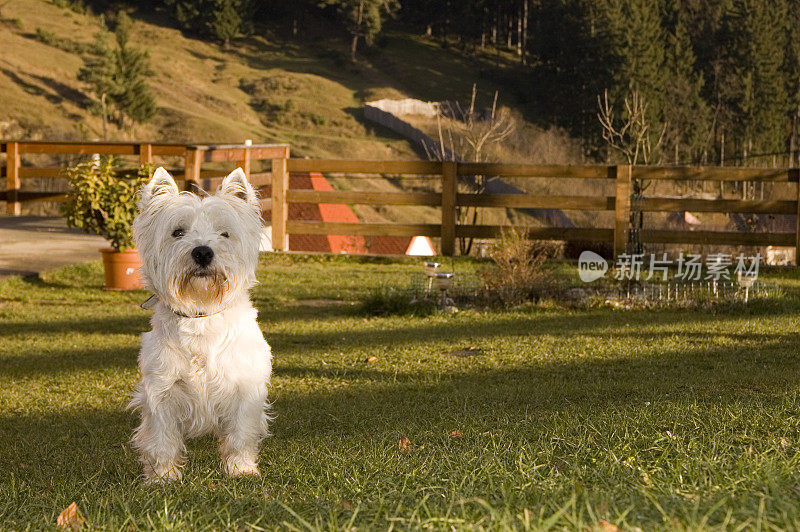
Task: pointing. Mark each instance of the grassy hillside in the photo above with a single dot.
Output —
(304, 92)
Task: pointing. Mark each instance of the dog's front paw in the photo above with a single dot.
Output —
(162, 474)
(238, 466)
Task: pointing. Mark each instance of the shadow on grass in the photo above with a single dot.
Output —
(109, 325)
(618, 324)
(76, 359)
(310, 310)
(71, 447)
(636, 328)
(52, 456)
(418, 402)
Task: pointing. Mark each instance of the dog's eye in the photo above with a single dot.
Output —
(177, 233)
(225, 235)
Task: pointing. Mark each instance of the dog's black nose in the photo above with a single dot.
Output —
(203, 255)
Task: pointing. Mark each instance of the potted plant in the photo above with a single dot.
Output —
(102, 200)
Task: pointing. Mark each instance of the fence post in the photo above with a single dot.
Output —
(794, 175)
(280, 209)
(145, 154)
(622, 209)
(13, 184)
(449, 188)
(192, 168)
(244, 164)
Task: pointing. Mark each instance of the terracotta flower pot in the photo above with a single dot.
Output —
(121, 269)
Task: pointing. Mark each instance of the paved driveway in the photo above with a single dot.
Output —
(32, 244)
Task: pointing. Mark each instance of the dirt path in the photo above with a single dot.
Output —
(32, 244)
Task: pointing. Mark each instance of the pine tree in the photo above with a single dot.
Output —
(220, 19)
(226, 20)
(684, 109)
(638, 45)
(118, 77)
(570, 46)
(98, 71)
(363, 18)
(792, 69)
(133, 97)
(192, 15)
(761, 103)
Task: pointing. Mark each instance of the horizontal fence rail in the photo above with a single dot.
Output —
(190, 173)
(715, 173)
(447, 173)
(445, 176)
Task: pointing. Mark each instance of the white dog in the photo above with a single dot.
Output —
(205, 365)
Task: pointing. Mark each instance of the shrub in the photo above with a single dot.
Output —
(46, 37)
(74, 5)
(519, 272)
(101, 200)
(67, 45)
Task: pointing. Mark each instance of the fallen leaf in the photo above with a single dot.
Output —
(605, 526)
(372, 359)
(404, 444)
(455, 434)
(69, 518)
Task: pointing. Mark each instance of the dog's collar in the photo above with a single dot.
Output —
(150, 303)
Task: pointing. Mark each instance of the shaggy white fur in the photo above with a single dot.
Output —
(205, 365)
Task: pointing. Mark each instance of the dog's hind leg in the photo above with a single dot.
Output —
(240, 436)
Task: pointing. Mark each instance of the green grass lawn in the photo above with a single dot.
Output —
(668, 419)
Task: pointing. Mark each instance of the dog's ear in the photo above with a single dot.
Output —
(236, 185)
(161, 184)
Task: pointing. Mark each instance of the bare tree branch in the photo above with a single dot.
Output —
(632, 136)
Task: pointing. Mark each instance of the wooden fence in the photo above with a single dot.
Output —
(192, 157)
(449, 199)
(446, 176)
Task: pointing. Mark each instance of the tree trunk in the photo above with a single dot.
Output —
(105, 116)
(524, 36)
(360, 21)
(795, 142)
(446, 22)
